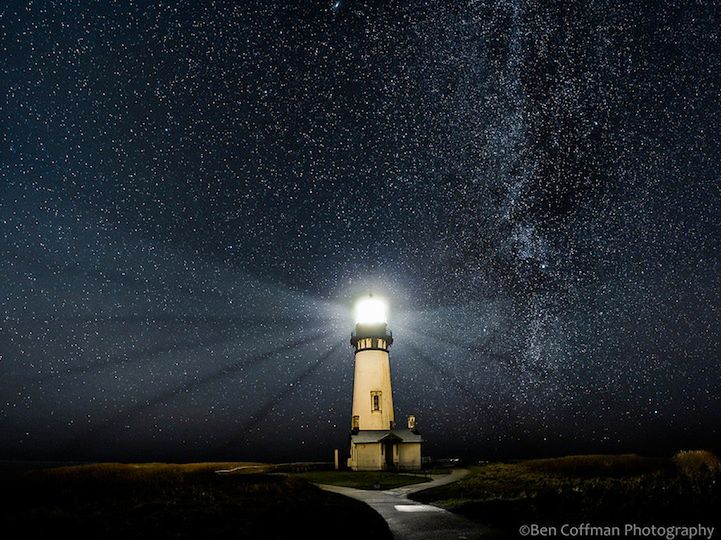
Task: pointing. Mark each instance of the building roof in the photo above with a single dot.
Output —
(380, 435)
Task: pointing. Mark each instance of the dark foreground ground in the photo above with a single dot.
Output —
(600, 490)
(157, 501)
(109, 501)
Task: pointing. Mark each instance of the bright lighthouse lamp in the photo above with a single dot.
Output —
(371, 311)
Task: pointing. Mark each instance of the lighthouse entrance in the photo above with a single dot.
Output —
(389, 454)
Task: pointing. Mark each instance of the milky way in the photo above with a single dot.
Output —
(192, 194)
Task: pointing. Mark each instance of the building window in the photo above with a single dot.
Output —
(375, 401)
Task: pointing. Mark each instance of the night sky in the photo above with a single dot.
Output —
(193, 194)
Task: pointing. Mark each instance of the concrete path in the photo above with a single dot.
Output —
(411, 520)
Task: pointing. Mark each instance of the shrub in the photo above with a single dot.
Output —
(697, 464)
(599, 465)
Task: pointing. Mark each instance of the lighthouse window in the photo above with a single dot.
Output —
(375, 401)
(381, 343)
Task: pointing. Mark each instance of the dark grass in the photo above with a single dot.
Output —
(599, 489)
(362, 479)
(158, 501)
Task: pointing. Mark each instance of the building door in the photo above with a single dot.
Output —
(389, 454)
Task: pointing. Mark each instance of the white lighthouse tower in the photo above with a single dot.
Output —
(375, 442)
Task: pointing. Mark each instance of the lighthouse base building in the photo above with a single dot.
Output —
(375, 442)
(390, 449)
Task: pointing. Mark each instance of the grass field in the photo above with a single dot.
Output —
(362, 479)
(601, 489)
(158, 501)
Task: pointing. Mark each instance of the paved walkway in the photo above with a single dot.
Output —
(411, 520)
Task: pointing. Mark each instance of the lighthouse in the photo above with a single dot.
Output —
(376, 443)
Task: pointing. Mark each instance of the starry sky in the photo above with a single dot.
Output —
(192, 195)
